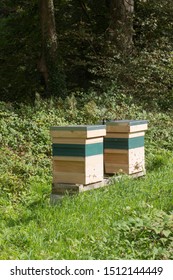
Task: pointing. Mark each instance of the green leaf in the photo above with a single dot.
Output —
(166, 233)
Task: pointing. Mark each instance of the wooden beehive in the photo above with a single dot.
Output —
(77, 155)
(124, 147)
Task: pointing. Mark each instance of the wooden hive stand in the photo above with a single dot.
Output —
(77, 158)
(124, 147)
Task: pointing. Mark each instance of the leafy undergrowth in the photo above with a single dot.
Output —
(131, 219)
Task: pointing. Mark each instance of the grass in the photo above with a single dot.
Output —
(131, 219)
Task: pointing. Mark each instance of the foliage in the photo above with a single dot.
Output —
(147, 78)
(85, 58)
(101, 83)
(19, 51)
(153, 24)
(25, 145)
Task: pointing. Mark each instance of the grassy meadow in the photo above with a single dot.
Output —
(130, 219)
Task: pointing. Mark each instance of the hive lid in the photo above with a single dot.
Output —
(126, 125)
(77, 127)
(127, 122)
(78, 131)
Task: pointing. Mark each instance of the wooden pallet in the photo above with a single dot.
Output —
(60, 190)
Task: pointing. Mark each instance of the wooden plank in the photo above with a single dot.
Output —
(56, 140)
(136, 134)
(111, 129)
(69, 134)
(69, 166)
(136, 160)
(59, 190)
(61, 158)
(138, 174)
(124, 135)
(116, 158)
(94, 140)
(64, 188)
(139, 128)
(76, 178)
(111, 168)
(95, 159)
(94, 169)
(96, 133)
(78, 131)
(126, 128)
(70, 178)
(95, 185)
(115, 151)
(79, 172)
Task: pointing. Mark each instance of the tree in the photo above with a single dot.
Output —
(120, 30)
(49, 38)
(19, 45)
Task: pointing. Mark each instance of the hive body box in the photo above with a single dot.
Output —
(77, 156)
(124, 147)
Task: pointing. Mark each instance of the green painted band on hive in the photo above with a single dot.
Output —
(123, 143)
(77, 150)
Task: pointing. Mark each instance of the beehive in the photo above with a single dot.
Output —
(124, 147)
(77, 155)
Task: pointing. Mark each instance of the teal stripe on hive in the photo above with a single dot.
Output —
(123, 143)
(68, 150)
(136, 142)
(116, 143)
(94, 149)
(77, 150)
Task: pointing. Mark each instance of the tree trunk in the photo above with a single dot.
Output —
(49, 38)
(121, 24)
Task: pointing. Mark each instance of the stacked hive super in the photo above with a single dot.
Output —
(77, 157)
(124, 147)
